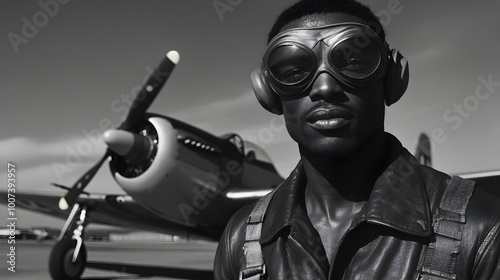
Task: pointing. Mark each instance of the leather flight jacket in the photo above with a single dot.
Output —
(387, 239)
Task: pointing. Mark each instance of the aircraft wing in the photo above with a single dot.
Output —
(490, 181)
(117, 210)
(244, 194)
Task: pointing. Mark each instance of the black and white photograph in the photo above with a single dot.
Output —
(238, 139)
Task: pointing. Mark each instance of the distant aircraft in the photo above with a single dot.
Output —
(179, 179)
(35, 233)
(423, 151)
(490, 180)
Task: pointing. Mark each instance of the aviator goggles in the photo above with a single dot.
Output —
(350, 52)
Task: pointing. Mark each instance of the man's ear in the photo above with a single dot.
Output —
(396, 78)
(265, 95)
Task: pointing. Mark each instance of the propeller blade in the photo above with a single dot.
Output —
(65, 188)
(150, 90)
(71, 196)
(121, 142)
(60, 186)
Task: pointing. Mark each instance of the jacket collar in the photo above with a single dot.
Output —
(398, 199)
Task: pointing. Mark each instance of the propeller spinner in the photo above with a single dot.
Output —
(121, 141)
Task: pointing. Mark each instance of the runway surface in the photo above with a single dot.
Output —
(32, 258)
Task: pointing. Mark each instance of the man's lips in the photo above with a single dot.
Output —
(328, 118)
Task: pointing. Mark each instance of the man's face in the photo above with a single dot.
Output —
(329, 118)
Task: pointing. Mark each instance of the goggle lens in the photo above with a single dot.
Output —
(290, 64)
(352, 53)
(356, 58)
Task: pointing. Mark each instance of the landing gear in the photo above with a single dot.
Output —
(69, 256)
(61, 264)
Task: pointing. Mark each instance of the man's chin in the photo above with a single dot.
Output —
(331, 148)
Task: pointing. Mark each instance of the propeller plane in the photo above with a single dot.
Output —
(178, 178)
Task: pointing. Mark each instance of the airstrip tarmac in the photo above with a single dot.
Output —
(32, 258)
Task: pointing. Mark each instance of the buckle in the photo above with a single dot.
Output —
(436, 274)
(253, 271)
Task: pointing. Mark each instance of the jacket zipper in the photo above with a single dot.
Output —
(316, 262)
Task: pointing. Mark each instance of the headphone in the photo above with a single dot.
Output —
(395, 82)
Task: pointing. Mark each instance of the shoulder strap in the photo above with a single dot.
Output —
(449, 221)
(255, 267)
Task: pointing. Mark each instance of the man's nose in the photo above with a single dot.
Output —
(325, 87)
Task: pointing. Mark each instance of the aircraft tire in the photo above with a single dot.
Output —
(61, 266)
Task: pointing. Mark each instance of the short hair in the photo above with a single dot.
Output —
(309, 7)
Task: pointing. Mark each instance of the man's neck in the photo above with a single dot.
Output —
(349, 178)
(337, 189)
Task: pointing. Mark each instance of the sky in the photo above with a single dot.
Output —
(66, 66)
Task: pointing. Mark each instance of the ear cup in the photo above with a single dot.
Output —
(396, 77)
(265, 95)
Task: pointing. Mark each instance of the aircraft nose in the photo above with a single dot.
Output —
(127, 144)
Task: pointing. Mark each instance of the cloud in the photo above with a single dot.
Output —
(218, 108)
(31, 152)
(429, 53)
(62, 161)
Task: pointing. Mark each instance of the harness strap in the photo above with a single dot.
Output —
(449, 221)
(255, 268)
(441, 255)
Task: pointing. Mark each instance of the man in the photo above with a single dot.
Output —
(358, 205)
